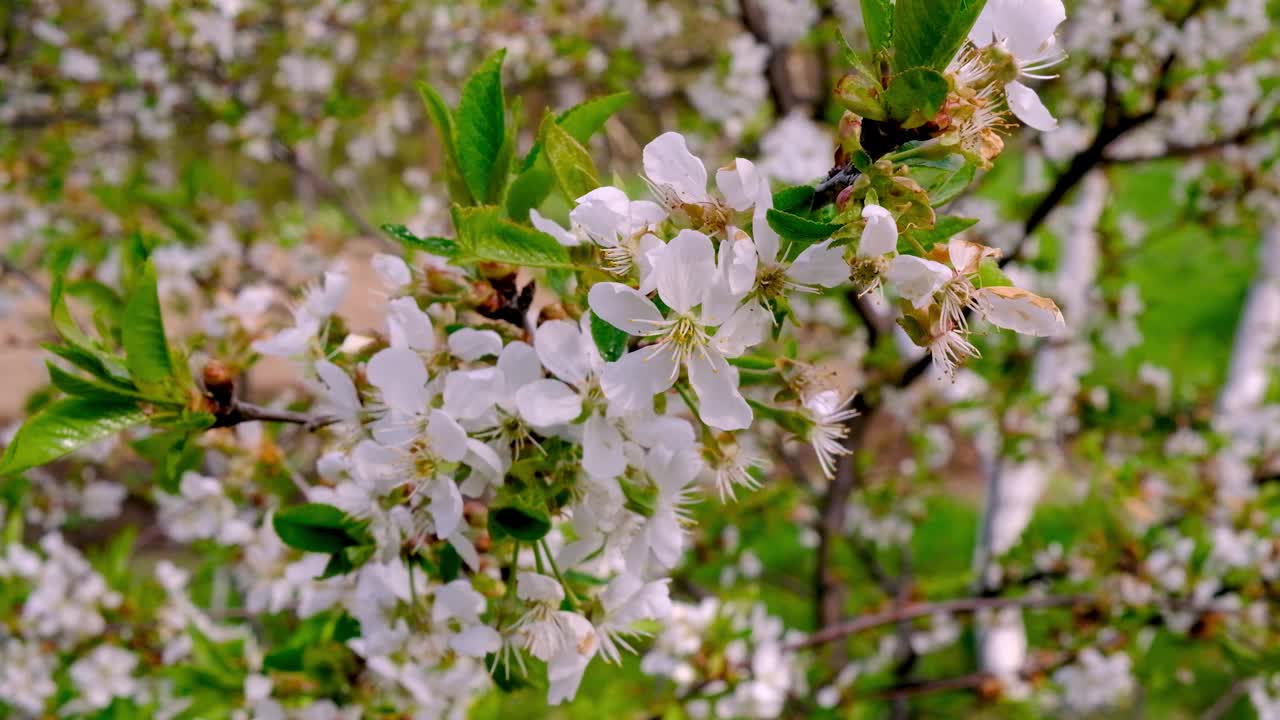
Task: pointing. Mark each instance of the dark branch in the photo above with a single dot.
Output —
(780, 85)
(870, 621)
(1223, 705)
(1176, 151)
(8, 267)
(285, 153)
(242, 412)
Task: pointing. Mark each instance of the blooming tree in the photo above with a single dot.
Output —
(520, 473)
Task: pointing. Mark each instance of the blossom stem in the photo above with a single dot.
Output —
(568, 591)
(916, 151)
(688, 399)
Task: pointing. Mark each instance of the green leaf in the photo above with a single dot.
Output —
(530, 188)
(944, 228)
(172, 454)
(89, 388)
(944, 179)
(93, 364)
(105, 301)
(481, 129)
(443, 120)
(990, 275)
(915, 96)
(927, 33)
(585, 119)
(450, 564)
(146, 349)
(756, 363)
(798, 229)
(877, 18)
(571, 164)
(519, 245)
(66, 326)
(535, 180)
(788, 199)
(610, 341)
(860, 92)
(221, 659)
(484, 235)
(523, 524)
(64, 426)
(434, 245)
(315, 527)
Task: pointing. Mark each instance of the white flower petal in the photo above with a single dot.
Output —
(446, 506)
(564, 671)
(602, 213)
(820, 265)
(747, 327)
(289, 342)
(537, 587)
(398, 373)
(466, 550)
(408, 326)
(391, 270)
(554, 229)
(653, 431)
(458, 599)
(740, 184)
(880, 235)
(669, 164)
(684, 271)
(1026, 104)
(468, 394)
(631, 383)
(448, 439)
(323, 301)
(738, 263)
(544, 403)
(643, 215)
(1027, 25)
(720, 403)
(485, 463)
(766, 238)
(519, 365)
(560, 346)
(470, 344)
(624, 308)
(917, 279)
(602, 454)
(651, 249)
(341, 390)
(1021, 311)
(476, 641)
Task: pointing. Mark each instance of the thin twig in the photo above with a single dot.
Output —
(1223, 705)
(1209, 146)
(829, 590)
(285, 153)
(918, 610)
(7, 267)
(242, 412)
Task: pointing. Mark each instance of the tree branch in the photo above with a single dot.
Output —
(1176, 151)
(776, 72)
(1223, 705)
(242, 412)
(8, 267)
(286, 154)
(912, 611)
(829, 592)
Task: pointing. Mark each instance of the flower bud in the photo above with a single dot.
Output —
(861, 94)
